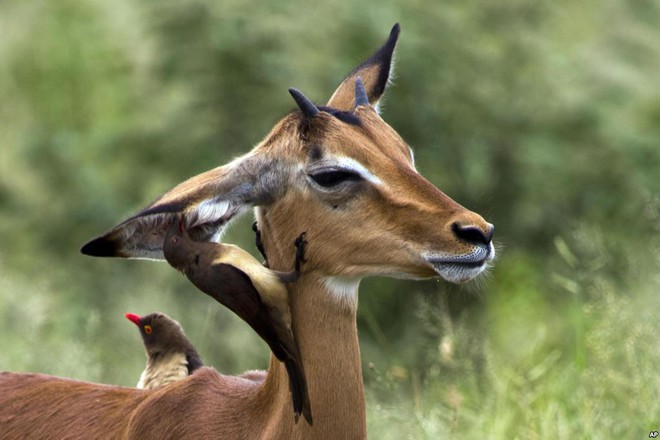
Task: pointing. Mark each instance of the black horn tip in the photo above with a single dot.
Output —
(306, 106)
(361, 97)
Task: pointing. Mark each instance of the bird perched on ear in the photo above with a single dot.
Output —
(255, 293)
(170, 355)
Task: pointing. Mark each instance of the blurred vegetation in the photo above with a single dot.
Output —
(542, 116)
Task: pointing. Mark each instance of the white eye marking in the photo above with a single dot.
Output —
(353, 165)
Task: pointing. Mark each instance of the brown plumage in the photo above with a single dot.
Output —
(255, 293)
(170, 355)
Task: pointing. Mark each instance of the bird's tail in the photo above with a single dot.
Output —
(298, 387)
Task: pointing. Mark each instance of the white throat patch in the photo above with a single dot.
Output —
(344, 290)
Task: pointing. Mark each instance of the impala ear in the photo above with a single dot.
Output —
(375, 73)
(205, 203)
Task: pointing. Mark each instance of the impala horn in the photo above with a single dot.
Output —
(361, 97)
(307, 107)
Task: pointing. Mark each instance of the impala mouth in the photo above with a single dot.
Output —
(462, 268)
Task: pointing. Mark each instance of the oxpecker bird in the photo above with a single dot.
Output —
(170, 355)
(255, 293)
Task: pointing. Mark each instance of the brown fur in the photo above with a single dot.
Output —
(356, 230)
(35, 406)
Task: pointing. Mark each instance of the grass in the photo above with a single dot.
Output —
(533, 387)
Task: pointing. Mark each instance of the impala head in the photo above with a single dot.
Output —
(338, 172)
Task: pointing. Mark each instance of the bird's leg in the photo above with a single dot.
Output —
(289, 277)
(300, 243)
(259, 243)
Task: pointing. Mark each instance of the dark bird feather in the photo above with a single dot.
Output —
(256, 294)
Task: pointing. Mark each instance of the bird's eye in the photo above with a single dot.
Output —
(328, 179)
(147, 329)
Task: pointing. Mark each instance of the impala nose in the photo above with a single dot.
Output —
(474, 234)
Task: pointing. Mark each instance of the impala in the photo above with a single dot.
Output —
(342, 175)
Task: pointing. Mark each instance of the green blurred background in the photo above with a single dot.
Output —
(542, 116)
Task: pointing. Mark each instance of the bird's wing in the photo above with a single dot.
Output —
(194, 361)
(234, 289)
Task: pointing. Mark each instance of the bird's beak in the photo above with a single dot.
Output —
(133, 317)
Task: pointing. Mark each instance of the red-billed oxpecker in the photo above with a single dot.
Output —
(255, 293)
(170, 355)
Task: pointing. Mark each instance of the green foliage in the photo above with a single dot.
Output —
(543, 116)
(531, 371)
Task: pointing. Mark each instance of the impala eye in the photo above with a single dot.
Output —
(328, 179)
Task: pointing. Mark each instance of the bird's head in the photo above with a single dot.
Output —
(160, 333)
(176, 244)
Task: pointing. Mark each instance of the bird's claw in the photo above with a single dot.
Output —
(259, 243)
(300, 243)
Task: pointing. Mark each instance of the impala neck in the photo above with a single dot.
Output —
(326, 330)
